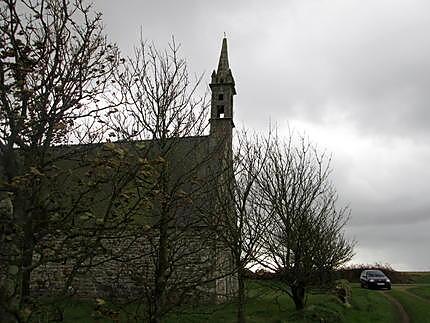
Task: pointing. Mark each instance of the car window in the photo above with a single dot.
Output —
(375, 274)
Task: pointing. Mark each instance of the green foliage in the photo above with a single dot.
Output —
(317, 313)
(343, 291)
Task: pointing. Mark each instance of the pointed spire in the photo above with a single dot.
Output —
(223, 59)
(223, 74)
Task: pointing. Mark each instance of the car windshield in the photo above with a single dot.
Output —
(375, 274)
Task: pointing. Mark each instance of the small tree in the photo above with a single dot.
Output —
(241, 231)
(304, 231)
(55, 64)
(162, 111)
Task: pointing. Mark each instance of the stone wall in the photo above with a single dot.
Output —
(201, 270)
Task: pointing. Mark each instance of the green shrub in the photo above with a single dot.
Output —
(343, 291)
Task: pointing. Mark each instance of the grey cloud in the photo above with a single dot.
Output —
(355, 69)
(385, 217)
(405, 247)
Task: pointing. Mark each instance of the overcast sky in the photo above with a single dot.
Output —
(353, 74)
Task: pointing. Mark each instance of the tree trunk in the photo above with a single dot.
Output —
(160, 283)
(160, 274)
(15, 249)
(16, 219)
(27, 260)
(155, 318)
(298, 297)
(241, 297)
(162, 254)
(10, 251)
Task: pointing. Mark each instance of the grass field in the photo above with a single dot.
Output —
(369, 306)
(417, 309)
(420, 277)
(421, 291)
(415, 298)
(264, 305)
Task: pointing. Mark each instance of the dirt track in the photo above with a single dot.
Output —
(403, 316)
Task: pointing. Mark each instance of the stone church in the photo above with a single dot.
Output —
(200, 264)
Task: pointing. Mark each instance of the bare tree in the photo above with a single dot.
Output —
(163, 112)
(241, 232)
(54, 65)
(87, 204)
(304, 231)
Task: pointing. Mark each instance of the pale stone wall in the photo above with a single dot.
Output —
(202, 271)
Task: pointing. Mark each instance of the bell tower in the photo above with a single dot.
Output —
(223, 89)
(221, 132)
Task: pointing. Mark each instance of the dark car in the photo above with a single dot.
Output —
(374, 279)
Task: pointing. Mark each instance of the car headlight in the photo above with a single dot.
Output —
(388, 281)
(371, 280)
